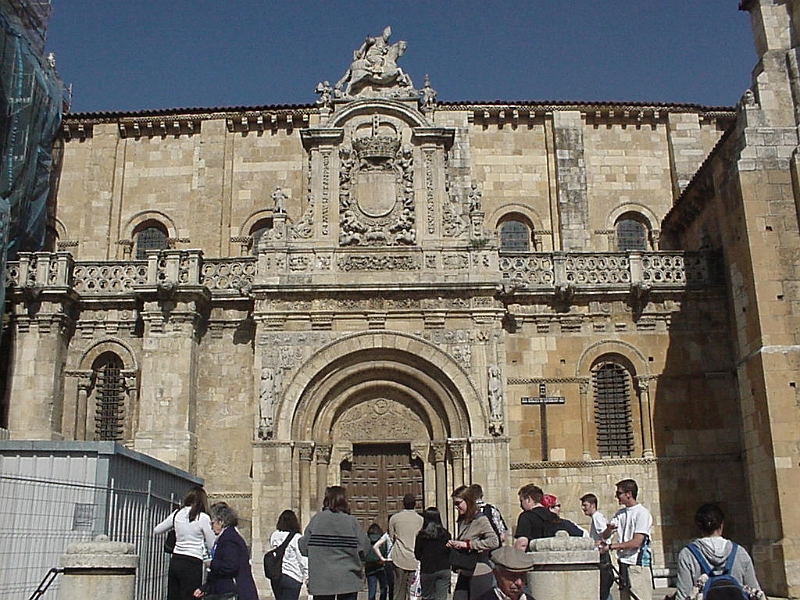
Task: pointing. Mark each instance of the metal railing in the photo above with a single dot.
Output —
(39, 518)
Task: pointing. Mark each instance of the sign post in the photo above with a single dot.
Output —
(543, 400)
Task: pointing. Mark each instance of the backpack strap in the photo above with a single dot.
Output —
(285, 542)
(731, 558)
(701, 560)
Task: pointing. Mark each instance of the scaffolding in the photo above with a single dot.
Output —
(31, 104)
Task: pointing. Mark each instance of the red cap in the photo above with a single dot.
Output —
(549, 501)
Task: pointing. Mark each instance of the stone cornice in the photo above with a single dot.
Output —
(610, 462)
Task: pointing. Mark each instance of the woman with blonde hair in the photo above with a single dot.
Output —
(475, 535)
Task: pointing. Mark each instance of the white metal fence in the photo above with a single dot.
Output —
(50, 502)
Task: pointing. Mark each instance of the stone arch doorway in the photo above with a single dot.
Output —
(376, 400)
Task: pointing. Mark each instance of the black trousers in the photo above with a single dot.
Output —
(184, 577)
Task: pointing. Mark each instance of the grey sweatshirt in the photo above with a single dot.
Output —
(715, 549)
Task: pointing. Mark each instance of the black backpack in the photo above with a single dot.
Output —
(720, 585)
(487, 511)
(273, 560)
(553, 524)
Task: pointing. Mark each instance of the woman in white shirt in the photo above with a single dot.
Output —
(194, 538)
(294, 569)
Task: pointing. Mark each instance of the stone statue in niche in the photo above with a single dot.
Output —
(267, 396)
(375, 64)
(475, 197)
(495, 401)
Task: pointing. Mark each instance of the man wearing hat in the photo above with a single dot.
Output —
(511, 567)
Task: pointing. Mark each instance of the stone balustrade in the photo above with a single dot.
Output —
(563, 274)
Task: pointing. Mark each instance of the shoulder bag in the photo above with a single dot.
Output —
(172, 538)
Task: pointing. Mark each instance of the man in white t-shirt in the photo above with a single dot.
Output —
(598, 526)
(632, 524)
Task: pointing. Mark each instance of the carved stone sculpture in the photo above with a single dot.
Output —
(495, 401)
(375, 65)
(268, 394)
(279, 198)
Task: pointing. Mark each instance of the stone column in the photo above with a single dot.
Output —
(439, 455)
(323, 455)
(586, 409)
(644, 412)
(564, 567)
(99, 570)
(457, 449)
(82, 409)
(305, 453)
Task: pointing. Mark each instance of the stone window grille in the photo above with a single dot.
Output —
(514, 237)
(631, 235)
(109, 393)
(151, 237)
(612, 410)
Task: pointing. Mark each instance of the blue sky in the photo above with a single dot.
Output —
(128, 55)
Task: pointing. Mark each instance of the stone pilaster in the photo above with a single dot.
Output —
(43, 324)
(168, 392)
(572, 190)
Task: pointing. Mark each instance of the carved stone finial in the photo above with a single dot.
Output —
(325, 92)
(427, 100)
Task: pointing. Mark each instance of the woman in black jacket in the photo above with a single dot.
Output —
(431, 551)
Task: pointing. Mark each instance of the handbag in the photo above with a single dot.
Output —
(463, 560)
(223, 596)
(169, 543)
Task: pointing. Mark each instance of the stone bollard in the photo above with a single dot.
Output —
(99, 570)
(564, 567)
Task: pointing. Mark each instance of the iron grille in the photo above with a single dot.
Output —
(109, 395)
(612, 410)
(631, 235)
(514, 237)
(150, 238)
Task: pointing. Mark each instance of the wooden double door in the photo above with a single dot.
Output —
(377, 478)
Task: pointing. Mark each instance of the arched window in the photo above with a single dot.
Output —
(632, 234)
(514, 237)
(109, 394)
(153, 236)
(258, 232)
(612, 409)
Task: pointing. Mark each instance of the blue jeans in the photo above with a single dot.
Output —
(435, 586)
(374, 579)
(286, 588)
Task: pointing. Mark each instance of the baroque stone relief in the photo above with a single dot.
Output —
(376, 188)
(381, 419)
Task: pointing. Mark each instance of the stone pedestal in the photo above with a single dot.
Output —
(99, 570)
(564, 567)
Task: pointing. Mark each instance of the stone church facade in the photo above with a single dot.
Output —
(400, 294)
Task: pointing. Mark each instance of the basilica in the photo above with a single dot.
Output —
(398, 294)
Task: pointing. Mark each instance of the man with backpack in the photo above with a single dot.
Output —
(715, 566)
(535, 521)
(492, 513)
